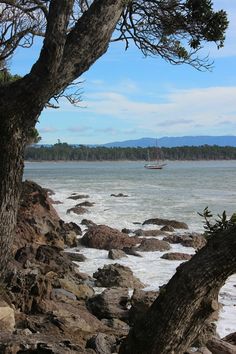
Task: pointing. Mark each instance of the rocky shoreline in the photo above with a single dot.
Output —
(48, 306)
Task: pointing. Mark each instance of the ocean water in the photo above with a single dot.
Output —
(179, 191)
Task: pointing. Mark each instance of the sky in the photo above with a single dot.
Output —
(126, 96)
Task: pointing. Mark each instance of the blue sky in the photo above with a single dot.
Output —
(126, 96)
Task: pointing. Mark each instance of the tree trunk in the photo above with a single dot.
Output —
(177, 316)
(12, 145)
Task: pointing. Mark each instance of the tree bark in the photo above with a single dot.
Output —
(63, 58)
(217, 346)
(12, 145)
(177, 316)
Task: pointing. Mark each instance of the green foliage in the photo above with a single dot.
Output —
(6, 77)
(33, 136)
(67, 152)
(219, 225)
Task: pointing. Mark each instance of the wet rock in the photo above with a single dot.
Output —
(194, 240)
(131, 251)
(76, 257)
(116, 254)
(116, 275)
(105, 237)
(152, 244)
(102, 343)
(167, 228)
(177, 256)
(78, 196)
(88, 223)
(71, 226)
(140, 302)
(126, 231)
(147, 233)
(85, 204)
(119, 195)
(77, 210)
(175, 224)
(111, 303)
(7, 317)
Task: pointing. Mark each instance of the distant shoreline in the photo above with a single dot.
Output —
(141, 161)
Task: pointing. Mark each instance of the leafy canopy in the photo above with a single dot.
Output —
(172, 29)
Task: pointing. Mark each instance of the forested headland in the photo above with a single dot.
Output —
(66, 152)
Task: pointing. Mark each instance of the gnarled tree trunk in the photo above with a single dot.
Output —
(12, 143)
(63, 58)
(177, 316)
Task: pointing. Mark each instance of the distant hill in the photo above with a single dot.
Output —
(227, 140)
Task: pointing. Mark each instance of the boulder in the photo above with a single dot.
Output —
(152, 244)
(38, 221)
(120, 327)
(80, 290)
(76, 257)
(194, 240)
(116, 275)
(151, 233)
(102, 343)
(105, 237)
(140, 302)
(88, 223)
(77, 210)
(78, 196)
(85, 204)
(177, 256)
(116, 254)
(175, 224)
(111, 303)
(7, 317)
(131, 251)
(167, 228)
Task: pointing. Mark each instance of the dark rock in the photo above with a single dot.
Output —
(126, 231)
(102, 343)
(140, 302)
(79, 196)
(120, 327)
(177, 256)
(119, 195)
(85, 204)
(153, 233)
(167, 228)
(76, 257)
(88, 223)
(77, 210)
(104, 237)
(152, 244)
(175, 224)
(139, 232)
(116, 275)
(116, 254)
(194, 240)
(111, 303)
(131, 251)
(71, 226)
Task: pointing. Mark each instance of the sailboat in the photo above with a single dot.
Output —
(157, 165)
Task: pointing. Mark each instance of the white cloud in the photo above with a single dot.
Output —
(182, 109)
